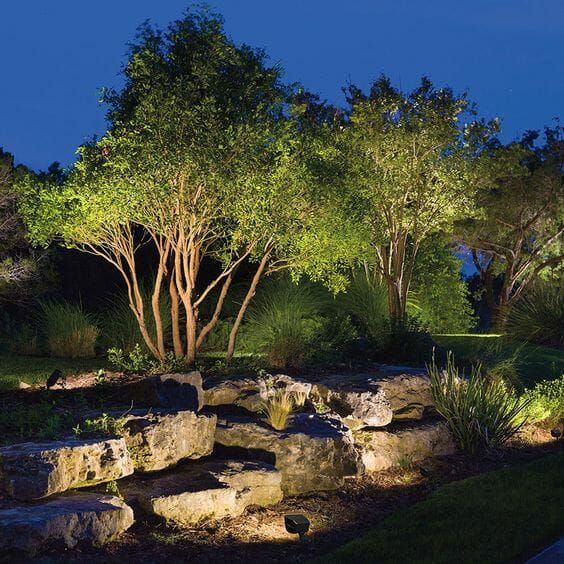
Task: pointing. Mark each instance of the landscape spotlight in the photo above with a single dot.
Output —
(556, 433)
(297, 524)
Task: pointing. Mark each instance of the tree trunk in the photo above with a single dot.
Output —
(240, 314)
(175, 320)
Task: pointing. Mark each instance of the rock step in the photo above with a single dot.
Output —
(382, 449)
(202, 491)
(160, 438)
(314, 453)
(67, 520)
(30, 471)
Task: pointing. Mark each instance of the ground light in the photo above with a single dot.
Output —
(297, 524)
(556, 433)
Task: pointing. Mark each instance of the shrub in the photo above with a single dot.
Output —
(119, 325)
(480, 412)
(278, 407)
(539, 316)
(70, 331)
(286, 323)
(104, 425)
(545, 402)
(137, 361)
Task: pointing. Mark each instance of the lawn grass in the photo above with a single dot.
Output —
(33, 369)
(501, 516)
(536, 363)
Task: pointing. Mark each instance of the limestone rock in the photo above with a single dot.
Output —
(382, 449)
(314, 453)
(35, 470)
(242, 392)
(203, 491)
(407, 391)
(67, 520)
(159, 439)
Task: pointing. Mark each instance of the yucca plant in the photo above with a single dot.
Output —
(278, 407)
(70, 332)
(481, 413)
(539, 316)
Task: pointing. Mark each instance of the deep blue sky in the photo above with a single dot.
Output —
(56, 54)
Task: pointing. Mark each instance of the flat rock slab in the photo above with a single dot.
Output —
(67, 520)
(203, 491)
(313, 454)
(382, 449)
(31, 471)
(159, 439)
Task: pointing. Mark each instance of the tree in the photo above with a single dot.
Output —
(202, 163)
(413, 170)
(19, 264)
(517, 235)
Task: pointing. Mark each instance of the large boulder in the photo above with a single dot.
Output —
(203, 491)
(314, 453)
(161, 438)
(241, 392)
(34, 470)
(382, 449)
(175, 391)
(68, 520)
(374, 399)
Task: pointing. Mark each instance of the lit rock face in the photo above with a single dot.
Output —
(204, 491)
(32, 471)
(242, 392)
(313, 454)
(159, 439)
(374, 399)
(67, 521)
(382, 449)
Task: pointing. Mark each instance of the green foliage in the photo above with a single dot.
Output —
(439, 297)
(38, 421)
(545, 402)
(539, 316)
(112, 488)
(138, 362)
(106, 425)
(70, 331)
(289, 323)
(120, 328)
(366, 300)
(480, 412)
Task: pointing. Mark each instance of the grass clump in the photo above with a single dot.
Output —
(498, 517)
(278, 407)
(482, 413)
(70, 331)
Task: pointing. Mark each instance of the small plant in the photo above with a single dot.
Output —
(481, 412)
(321, 408)
(104, 425)
(100, 377)
(39, 421)
(112, 488)
(278, 408)
(135, 360)
(545, 402)
(69, 330)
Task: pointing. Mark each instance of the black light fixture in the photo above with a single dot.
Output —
(556, 433)
(54, 378)
(297, 524)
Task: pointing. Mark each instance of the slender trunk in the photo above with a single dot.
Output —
(175, 320)
(248, 297)
(215, 317)
(155, 304)
(191, 325)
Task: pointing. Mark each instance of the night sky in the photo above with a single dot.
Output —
(56, 55)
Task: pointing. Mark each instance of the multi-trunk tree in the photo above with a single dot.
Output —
(202, 162)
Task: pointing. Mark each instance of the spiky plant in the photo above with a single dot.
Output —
(278, 407)
(481, 413)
